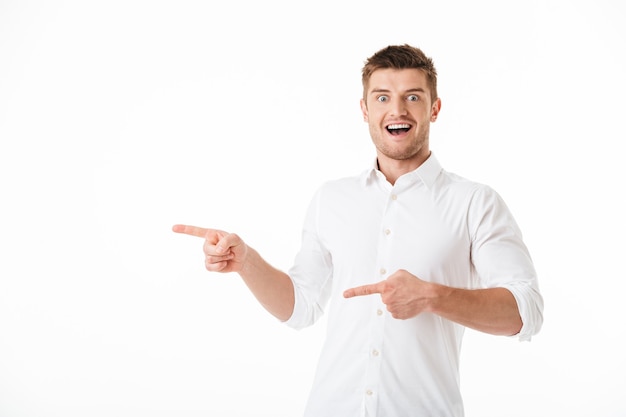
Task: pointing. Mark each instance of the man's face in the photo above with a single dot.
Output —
(399, 111)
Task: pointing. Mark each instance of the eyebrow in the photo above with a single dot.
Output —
(411, 90)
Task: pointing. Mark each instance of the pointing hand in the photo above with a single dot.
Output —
(224, 252)
(404, 294)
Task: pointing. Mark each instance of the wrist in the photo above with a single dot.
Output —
(438, 295)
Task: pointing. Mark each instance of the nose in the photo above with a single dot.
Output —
(398, 108)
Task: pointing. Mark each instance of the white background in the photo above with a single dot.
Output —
(119, 119)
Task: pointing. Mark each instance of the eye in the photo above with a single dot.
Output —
(382, 99)
(413, 97)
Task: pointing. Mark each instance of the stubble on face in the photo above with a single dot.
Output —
(400, 152)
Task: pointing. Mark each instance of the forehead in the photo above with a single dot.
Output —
(397, 80)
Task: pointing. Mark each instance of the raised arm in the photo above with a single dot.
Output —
(227, 252)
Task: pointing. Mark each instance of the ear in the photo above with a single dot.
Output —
(364, 110)
(434, 112)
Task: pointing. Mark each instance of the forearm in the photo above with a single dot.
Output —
(492, 310)
(271, 287)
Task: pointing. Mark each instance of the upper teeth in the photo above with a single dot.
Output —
(399, 126)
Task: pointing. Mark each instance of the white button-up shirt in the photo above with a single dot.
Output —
(439, 227)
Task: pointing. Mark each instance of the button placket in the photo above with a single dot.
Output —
(375, 355)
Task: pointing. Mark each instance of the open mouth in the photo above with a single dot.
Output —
(398, 128)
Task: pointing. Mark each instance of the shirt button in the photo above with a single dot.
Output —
(379, 312)
(375, 352)
(387, 231)
(369, 392)
(394, 197)
(383, 271)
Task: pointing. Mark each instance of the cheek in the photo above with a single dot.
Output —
(373, 116)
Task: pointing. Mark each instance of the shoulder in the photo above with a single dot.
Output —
(451, 182)
(343, 185)
(475, 199)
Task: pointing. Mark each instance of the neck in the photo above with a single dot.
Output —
(393, 169)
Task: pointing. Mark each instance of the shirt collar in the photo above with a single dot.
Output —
(427, 173)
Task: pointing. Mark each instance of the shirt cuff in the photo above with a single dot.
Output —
(530, 306)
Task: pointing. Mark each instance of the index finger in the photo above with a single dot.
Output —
(190, 230)
(369, 289)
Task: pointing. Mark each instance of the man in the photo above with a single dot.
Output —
(408, 255)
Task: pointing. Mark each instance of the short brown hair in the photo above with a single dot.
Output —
(400, 57)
